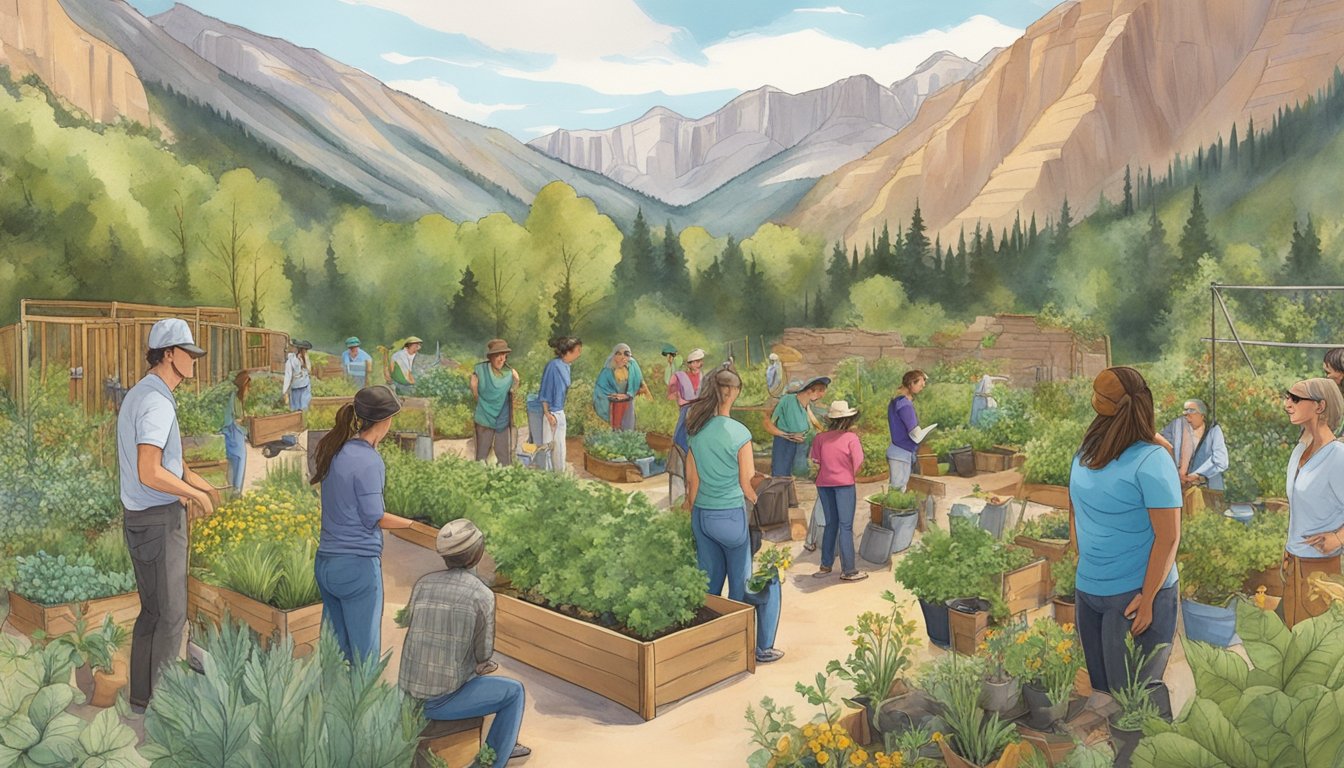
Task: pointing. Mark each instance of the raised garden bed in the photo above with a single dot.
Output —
(926, 487)
(640, 675)
(1056, 496)
(267, 429)
(1050, 550)
(28, 616)
(994, 460)
(658, 441)
(612, 471)
(304, 624)
(1027, 587)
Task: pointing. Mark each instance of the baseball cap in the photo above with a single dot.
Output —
(174, 332)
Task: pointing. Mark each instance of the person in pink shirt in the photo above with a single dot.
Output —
(838, 456)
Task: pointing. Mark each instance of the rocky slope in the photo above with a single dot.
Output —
(1092, 86)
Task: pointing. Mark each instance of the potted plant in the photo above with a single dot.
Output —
(1046, 658)
(899, 511)
(1135, 699)
(1213, 569)
(763, 591)
(1265, 535)
(925, 571)
(994, 515)
(1063, 573)
(967, 622)
(882, 645)
(999, 691)
(974, 737)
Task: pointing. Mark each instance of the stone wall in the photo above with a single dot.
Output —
(1025, 351)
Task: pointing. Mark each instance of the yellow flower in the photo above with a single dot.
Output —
(783, 744)
(844, 742)
(1067, 627)
(823, 758)
(814, 746)
(937, 737)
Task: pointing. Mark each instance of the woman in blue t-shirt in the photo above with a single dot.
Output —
(349, 565)
(1127, 525)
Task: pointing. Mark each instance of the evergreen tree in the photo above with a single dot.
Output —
(1032, 234)
(1063, 228)
(467, 313)
(981, 270)
(674, 276)
(838, 273)
(913, 272)
(1250, 142)
(884, 260)
(1127, 207)
(1017, 234)
(635, 275)
(1232, 149)
(854, 267)
(1195, 239)
(820, 312)
(1304, 255)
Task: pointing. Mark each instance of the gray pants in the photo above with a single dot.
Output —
(157, 539)
(499, 439)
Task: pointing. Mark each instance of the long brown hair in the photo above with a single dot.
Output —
(347, 426)
(1124, 407)
(713, 393)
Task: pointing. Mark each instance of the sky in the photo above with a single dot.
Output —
(531, 66)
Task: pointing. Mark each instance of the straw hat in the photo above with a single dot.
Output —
(412, 340)
(840, 410)
(496, 347)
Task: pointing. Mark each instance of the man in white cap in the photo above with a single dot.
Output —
(684, 388)
(450, 638)
(160, 495)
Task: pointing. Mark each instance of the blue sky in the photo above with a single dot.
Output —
(529, 66)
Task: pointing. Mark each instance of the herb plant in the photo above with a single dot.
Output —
(967, 562)
(1134, 696)
(1051, 450)
(617, 445)
(1053, 525)
(770, 563)
(1064, 573)
(977, 737)
(894, 498)
(54, 579)
(882, 651)
(1217, 554)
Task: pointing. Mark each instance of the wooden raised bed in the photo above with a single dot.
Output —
(267, 429)
(658, 441)
(1056, 496)
(641, 675)
(28, 616)
(1052, 550)
(304, 624)
(872, 478)
(612, 471)
(205, 466)
(1027, 587)
(993, 460)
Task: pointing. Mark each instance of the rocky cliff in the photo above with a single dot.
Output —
(680, 160)
(1092, 86)
(38, 37)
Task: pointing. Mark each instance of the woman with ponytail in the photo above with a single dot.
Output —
(719, 469)
(556, 378)
(349, 553)
(1126, 523)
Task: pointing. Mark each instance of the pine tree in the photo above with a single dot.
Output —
(1250, 142)
(1127, 207)
(854, 267)
(467, 313)
(913, 272)
(838, 273)
(1064, 228)
(884, 260)
(1195, 239)
(820, 312)
(674, 276)
(1032, 233)
(1017, 234)
(1304, 255)
(634, 274)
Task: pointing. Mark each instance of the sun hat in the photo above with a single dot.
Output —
(301, 344)
(696, 354)
(412, 340)
(840, 410)
(174, 332)
(457, 537)
(814, 381)
(668, 349)
(496, 346)
(376, 403)
(353, 341)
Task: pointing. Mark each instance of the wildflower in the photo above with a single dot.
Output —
(782, 746)
(823, 758)
(937, 737)
(859, 758)
(1067, 627)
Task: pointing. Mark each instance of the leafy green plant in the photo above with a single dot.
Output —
(94, 648)
(1064, 573)
(967, 562)
(446, 386)
(486, 756)
(895, 498)
(770, 563)
(297, 586)
(1047, 657)
(288, 475)
(882, 651)
(211, 450)
(54, 579)
(264, 398)
(1134, 695)
(659, 414)
(1050, 452)
(338, 386)
(947, 438)
(955, 684)
(874, 446)
(1217, 554)
(281, 575)
(202, 413)
(1053, 525)
(617, 445)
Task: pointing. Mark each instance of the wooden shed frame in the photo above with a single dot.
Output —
(100, 346)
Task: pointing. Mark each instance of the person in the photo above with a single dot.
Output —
(297, 387)
(349, 566)
(774, 376)
(789, 424)
(1200, 453)
(1315, 483)
(492, 385)
(982, 402)
(1126, 523)
(617, 385)
(838, 455)
(669, 354)
(719, 470)
(403, 365)
(555, 381)
(159, 495)
(356, 363)
(903, 423)
(685, 387)
(450, 637)
(234, 430)
(1334, 371)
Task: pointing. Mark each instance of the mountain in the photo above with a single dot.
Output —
(387, 148)
(37, 37)
(680, 160)
(1090, 87)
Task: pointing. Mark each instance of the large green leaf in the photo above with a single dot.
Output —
(1204, 722)
(1322, 736)
(59, 747)
(1266, 716)
(49, 702)
(108, 743)
(1264, 636)
(1220, 675)
(1172, 750)
(19, 734)
(1316, 649)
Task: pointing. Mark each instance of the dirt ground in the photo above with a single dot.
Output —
(567, 726)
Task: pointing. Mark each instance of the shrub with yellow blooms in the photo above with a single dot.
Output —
(1046, 656)
(275, 516)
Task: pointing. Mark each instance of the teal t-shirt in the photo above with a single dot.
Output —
(789, 415)
(1110, 506)
(493, 389)
(715, 449)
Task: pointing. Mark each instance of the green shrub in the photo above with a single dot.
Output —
(1051, 525)
(54, 579)
(1050, 453)
(1217, 554)
(456, 422)
(202, 413)
(874, 446)
(617, 446)
(446, 386)
(894, 498)
(947, 404)
(264, 397)
(339, 386)
(657, 415)
(1064, 572)
(967, 562)
(754, 391)
(211, 450)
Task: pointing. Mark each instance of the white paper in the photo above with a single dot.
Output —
(919, 433)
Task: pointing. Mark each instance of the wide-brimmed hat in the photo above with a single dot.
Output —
(840, 410)
(814, 381)
(301, 344)
(668, 349)
(174, 332)
(353, 341)
(376, 403)
(412, 340)
(696, 354)
(458, 537)
(496, 347)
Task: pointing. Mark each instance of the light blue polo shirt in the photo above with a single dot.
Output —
(148, 416)
(715, 449)
(1110, 506)
(352, 502)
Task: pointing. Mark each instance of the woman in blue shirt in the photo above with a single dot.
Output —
(555, 381)
(349, 552)
(902, 421)
(1127, 525)
(1315, 484)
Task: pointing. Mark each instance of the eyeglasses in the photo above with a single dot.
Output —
(1299, 398)
(1190, 410)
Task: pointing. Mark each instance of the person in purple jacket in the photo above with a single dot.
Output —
(903, 422)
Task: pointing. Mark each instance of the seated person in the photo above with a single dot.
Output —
(449, 642)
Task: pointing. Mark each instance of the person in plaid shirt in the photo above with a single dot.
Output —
(449, 641)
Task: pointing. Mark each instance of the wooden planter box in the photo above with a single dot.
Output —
(927, 487)
(1270, 578)
(879, 478)
(967, 630)
(302, 624)
(1056, 496)
(27, 616)
(926, 464)
(658, 441)
(993, 460)
(1051, 550)
(1027, 587)
(206, 466)
(641, 675)
(267, 429)
(612, 471)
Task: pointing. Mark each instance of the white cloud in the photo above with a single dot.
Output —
(795, 61)
(398, 58)
(445, 97)
(588, 29)
(828, 9)
(598, 111)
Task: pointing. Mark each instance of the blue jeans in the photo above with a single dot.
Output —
(723, 548)
(481, 696)
(782, 456)
(299, 397)
(235, 449)
(352, 601)
(1102, 627)
(837, 503)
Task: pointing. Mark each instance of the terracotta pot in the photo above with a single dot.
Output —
(1065, 610)
(106, 685)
